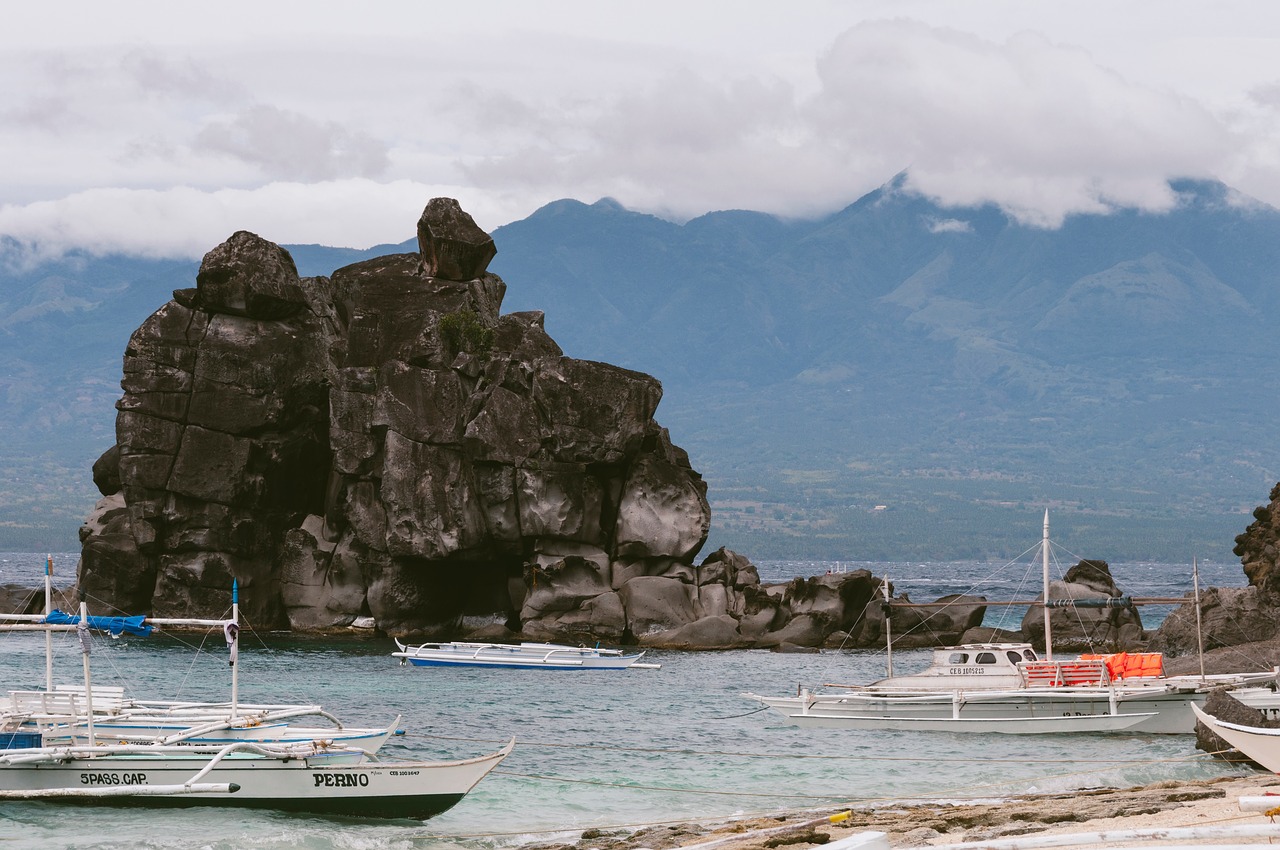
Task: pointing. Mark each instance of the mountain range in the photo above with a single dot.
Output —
(895, 381)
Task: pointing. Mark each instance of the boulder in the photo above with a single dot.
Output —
(810, 629)
(249, 276)
(452, 245)
(1082, 628)
(1229, 616)
(656, 604)
(715, 632)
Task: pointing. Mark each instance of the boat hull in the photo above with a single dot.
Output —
(316, 785)
(543, 656)
(609, 664)
(1260, 745)
(1159, 712)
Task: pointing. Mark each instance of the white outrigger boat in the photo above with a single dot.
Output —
(60, 713)
(1009, 689)
(87, 744)
(551, 656)
(1259, 744)
(290, 777)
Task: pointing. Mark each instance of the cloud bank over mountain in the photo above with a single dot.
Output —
(159, 132)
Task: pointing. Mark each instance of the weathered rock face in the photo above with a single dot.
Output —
(1259, 546)
(1234, 616)
(1229, 616)
(382, 443)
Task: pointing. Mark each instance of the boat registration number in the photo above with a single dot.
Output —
(967, 671)
(113, 779)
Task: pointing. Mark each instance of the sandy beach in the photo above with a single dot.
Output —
(1162, 805)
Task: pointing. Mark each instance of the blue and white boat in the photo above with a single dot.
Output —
(88, 744)
(551, 656)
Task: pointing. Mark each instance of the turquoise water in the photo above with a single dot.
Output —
(595, 748)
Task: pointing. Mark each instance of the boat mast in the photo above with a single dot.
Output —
(48, 635)
(1044, 555)
(82, 631)
(233, 638)
(888, 628)
(1195, 584)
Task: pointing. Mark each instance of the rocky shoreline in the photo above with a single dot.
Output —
(1160, 805)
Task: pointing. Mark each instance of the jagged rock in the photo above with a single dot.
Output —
(561, 588)
(106, 472)
(452, 245)
(382, 443)
(663, 513)
(1229, 616)
(1257, 546)
(1086, 629)
(960, 613)
(992, 635)
(249, 276)
(19, 599)
(840, 599)
(727, 567)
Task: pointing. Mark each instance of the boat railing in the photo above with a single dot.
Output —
(1088, 672)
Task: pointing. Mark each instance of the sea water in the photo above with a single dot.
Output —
(595, 749)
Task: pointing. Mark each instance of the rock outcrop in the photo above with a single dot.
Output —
(1086, 628)
(384, 442)
(1234, 616)
(1258, 547)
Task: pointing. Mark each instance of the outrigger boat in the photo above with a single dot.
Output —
(551, 656)
(1007, 688)
(60, 713)
(327, 780)
(64, 744)
(1259, 744)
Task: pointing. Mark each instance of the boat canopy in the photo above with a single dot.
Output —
(115, 625)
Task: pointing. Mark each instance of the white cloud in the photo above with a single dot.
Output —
(948, 225)
(161, 131)
(187, 222)
(292, 146)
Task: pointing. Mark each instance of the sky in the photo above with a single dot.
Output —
(160, 128)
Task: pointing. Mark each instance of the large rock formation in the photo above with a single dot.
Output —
(1259, 546)
(382, 442)
(1235, 616)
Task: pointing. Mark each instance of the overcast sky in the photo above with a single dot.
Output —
(163, 127)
